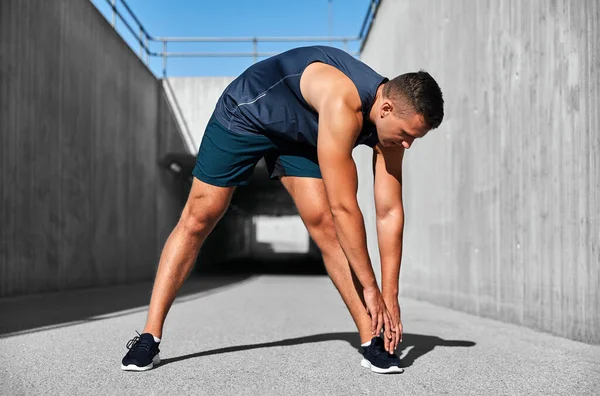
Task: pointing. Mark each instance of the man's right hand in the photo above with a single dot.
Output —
(376, 308)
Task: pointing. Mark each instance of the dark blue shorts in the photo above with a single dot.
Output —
(228, 158)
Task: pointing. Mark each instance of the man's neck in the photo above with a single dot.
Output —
(373, 114)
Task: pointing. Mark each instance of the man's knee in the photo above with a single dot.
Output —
(203, 210)
(196, 221)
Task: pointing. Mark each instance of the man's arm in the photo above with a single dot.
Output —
(338, 128)
(337, 122)
(334, 96)
(387, 165)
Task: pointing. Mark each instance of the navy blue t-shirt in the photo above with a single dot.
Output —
(266, 98)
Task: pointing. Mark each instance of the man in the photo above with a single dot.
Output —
(304, 111)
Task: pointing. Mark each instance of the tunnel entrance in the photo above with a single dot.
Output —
(261, 232)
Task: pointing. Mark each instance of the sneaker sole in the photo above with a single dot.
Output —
(394, 369)
(133, 367)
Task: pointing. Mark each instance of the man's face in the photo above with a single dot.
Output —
(393, 130)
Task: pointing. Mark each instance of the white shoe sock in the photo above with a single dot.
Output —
(156, 339)
(366, 344)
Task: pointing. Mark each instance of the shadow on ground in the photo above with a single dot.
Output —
(33, 312)
(419, 345)
(291, 265)
(422, 344)
(29, 312)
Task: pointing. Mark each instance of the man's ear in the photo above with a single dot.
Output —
(386, 108)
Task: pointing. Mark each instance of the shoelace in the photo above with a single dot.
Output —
(136, 343)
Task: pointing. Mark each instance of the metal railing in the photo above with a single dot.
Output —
(144, 38)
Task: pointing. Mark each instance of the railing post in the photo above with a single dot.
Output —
(147, 49)
(164, 54)
(255, 45)
(345, 45)
(114, 13)
(330, 21)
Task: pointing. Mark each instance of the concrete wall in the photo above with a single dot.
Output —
(502, 201)
(196, 97)
(82, 125)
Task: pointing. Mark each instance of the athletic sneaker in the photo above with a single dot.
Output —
(143, 353)
(379, 360)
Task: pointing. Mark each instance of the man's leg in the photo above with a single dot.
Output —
(313, 206)
(205, 206)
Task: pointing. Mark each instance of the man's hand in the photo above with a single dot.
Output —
(380, 317)
(393, 307)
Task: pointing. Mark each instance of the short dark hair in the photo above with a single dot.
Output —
(420, 92)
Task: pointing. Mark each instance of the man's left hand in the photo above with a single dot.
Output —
(393, 307)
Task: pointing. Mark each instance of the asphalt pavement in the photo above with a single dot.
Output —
(272, 335)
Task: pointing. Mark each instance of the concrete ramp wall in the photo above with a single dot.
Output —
(196, 97)
(83, 124)
(502, 201)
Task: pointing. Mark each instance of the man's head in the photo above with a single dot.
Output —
(406, 108)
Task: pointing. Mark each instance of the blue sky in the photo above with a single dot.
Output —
(235, 18)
